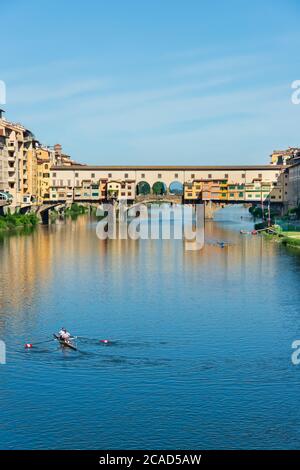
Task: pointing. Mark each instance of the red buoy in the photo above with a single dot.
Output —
(28, 346)
(104, 341)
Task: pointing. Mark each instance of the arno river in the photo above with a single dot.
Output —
(201, 340)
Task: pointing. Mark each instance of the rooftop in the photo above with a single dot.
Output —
(166, 167)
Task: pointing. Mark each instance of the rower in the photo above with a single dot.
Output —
(64, 334)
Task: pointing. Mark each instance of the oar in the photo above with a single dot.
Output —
(30, 345)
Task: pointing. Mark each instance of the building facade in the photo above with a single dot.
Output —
(17, 162)
(25, 165)
(293, 186)
(248, 183)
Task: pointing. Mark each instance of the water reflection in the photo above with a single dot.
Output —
(31, 264)
(199, 337)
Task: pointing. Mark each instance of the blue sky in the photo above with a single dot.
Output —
(160, 82)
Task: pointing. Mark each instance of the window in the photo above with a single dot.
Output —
(122, 193)
(231, 194)
(226, 175)
(46, 167)
(209, 176)
(257, 195)
(46, 175)
(176, 175)
(76, 175)
(92, 175)
(129, 193)
(243, 175)
(54, 175)
(61, 182)
(69, 183)
(259, 175)
(159, 176)
(241, 194)
(54, 183)
(109, 175)
(143, 175)
(126, 175)
(192, 176)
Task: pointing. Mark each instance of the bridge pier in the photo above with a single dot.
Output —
(25, 209)
(210, 207)
(43, 211)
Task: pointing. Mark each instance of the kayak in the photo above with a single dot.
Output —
(67, 344)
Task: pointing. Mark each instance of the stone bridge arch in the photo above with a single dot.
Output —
(143, 188)
(159, 188)
(176, 187)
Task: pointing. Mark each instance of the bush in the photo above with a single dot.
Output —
(288, 241)
(12, 221)
(76, 209)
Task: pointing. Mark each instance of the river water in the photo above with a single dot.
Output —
(200, 351)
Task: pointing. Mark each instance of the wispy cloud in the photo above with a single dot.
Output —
(37, 93)
(198, 101)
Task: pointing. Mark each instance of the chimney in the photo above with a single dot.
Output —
(58, 151)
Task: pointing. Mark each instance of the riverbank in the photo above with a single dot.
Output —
(285, 238)
(291, 239)
(11, 222)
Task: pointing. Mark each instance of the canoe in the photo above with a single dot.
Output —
(67, 344)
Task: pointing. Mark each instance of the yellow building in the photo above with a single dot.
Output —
(285, 157)
(236, 192)
(32, 170)
(113, 189)
(45, 159)
(193, 190)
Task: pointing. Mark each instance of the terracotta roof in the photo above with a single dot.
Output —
(167, 168)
